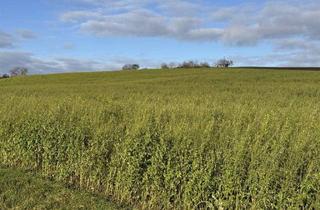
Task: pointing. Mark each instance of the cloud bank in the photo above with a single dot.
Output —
(9, 60)
(246, 24)
(290, 28)
(12, 59)
(6, 40)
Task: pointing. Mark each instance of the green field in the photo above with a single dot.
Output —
(170, 139)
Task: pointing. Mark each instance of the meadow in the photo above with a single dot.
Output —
(170, 139)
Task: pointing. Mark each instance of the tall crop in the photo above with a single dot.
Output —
(184, 139)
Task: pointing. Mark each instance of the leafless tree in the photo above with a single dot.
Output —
(204, 65)
(18, 71)
(172, 65)
(224, 63)
(189, 64)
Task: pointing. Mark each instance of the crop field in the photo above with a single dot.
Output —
(25, 190)
(170, 139)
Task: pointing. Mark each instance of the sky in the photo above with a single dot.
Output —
(53, 36)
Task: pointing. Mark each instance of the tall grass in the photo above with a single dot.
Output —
(238, 139)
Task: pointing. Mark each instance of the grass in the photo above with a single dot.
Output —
(170, 139)
(25, 190)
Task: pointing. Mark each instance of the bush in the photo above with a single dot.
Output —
(131, 67)
(185, 65)
(4, 76)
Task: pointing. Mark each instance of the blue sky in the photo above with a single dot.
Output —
(49, 36)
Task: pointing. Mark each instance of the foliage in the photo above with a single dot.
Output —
(238, 139)
(131, 67)
(185, 65)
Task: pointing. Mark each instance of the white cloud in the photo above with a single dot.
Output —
(136, 23)
(296, 53)
(290, 27)
(11, 59)
(272, 21)
(169, 18)
(203, 34)
(75, 16)
(6, 40)
(10, 40)
(245, 24)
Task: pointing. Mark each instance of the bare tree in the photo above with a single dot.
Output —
(204, 65)
(189, 64)
(126, 67)
(172, 65)
(18, 71)
(164, 66)
(14, 72)
(24, 71)
(224, 63)
(185, 65)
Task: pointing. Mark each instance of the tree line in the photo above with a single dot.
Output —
(15, 72)
(222, 63)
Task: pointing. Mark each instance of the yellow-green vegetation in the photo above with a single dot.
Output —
(24, 190)
(170, 139)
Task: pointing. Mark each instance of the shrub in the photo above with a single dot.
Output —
(131, 67)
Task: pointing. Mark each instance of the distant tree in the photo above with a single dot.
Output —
(135, 66)
(14, 72)
(185, 65)
(164, 66)
(224, 63)
(126, 67)
(24, 71)
(204, 65)
(188, 64)
(172, 65)
(18, 71)
(4, 76)
(131, 67)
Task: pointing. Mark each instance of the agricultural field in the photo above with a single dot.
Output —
(25, 190)
(170, 139)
